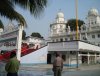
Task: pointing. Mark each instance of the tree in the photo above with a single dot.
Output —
(34, 6)
(72, 24)
(36, 34)
(1, 24)
(23, 35)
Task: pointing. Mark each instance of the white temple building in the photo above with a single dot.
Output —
(62, 39)
(90, 31)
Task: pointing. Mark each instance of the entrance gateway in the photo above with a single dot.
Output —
(11, 39)
(74, 52)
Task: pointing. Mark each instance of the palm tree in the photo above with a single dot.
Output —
(34, 6)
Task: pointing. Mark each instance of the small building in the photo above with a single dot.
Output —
(35, 41)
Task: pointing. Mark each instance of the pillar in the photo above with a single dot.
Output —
(69, 62)
(95, 58)
(77, 59)
(88, 58)
(19, 42)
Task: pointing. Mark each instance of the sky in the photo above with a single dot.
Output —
(42, 24)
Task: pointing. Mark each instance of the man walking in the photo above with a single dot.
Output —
(57, 65)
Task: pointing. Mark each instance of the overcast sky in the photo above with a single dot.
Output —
(42, 24)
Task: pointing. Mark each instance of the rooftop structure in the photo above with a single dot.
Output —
(90, 31)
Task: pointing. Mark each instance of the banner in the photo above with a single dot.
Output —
(8, 39)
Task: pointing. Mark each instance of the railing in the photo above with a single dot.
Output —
(24, 51)
(5, 57)
(63, 46)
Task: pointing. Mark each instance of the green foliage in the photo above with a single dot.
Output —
(7, 9)
(34, 6)
(23, 35)
(1, 24)
(72, 23)
(36, 34)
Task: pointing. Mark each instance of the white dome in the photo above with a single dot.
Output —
(10, 26)
(93, 11)
(60, 15)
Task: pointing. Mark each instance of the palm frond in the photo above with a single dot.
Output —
(34, 6)
(7, 10)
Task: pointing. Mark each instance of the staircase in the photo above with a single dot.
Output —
(24, 51)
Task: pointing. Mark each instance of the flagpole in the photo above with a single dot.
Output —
(76, 7)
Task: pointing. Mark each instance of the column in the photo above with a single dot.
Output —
(95, 58)
(80, 35)
(69, 58)
(19, 39)
(88, 58)
(77, 59)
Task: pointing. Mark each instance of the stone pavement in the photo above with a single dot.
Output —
(49, 66)
(89, 67)
(46, 70)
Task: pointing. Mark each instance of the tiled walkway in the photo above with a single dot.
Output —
(46, 70)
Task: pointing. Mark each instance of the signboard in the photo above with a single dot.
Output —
(8, 39)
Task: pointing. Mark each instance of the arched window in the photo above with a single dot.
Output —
(98, 35)
(93, 36)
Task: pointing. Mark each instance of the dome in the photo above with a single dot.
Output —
(10, 26)
(93, 11)
(60, 15)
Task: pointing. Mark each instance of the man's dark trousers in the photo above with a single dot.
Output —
(12, 74)
(57, 71)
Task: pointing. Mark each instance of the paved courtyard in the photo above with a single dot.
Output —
(46, 70)
(64, 73)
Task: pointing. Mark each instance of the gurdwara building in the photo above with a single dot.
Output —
(84, 50)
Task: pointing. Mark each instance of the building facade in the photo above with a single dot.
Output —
(90, 31)
(61, 34)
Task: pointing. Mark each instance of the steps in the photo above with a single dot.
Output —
(24, 51)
